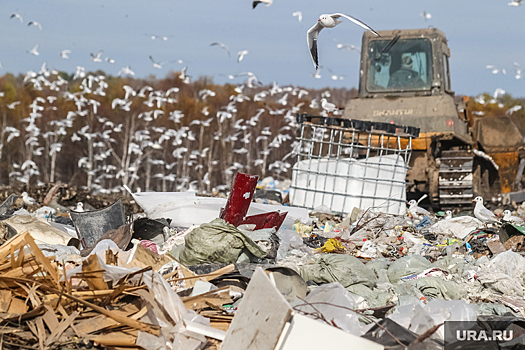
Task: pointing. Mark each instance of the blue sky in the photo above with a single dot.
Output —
(480, 32)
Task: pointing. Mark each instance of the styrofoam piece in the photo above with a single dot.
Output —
(305, 333)
(185, 209)
(41, 231)
(349, 184)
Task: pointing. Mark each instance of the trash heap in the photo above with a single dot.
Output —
(246, 272)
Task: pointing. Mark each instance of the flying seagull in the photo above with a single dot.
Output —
(222, 46)
(64, 54)
(157, 65)
(96, 57)
(257, 2)
(299, 15)
(241, 54)
(36, 24)
(328, 21)
(16, 15)
(34, 51)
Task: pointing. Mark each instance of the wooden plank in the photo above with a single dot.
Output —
(93, 324)
(57, 332)
(115, 339)
(5, 300)
(17, 306)
(50, 318)
(39, 256)
(64, 314)
(41, 332)
(92, 266)
(17, 242)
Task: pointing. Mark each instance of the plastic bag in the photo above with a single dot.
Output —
(419, 318)
(341, 268)
(333, 293)
(217, 242)
(408, 265)
(288, 240)
(458, 227)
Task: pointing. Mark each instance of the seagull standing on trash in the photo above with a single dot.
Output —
(28, 200)
(482, 213)
(415, 210)
(448, 215)
(507, 217)
(80, 207)
(328, 21)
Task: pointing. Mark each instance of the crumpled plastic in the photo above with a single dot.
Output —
(333, 293)
(504, 274)
(341, 268)
(458, 227)
(217, 242)
(407, 265)
(419, 317)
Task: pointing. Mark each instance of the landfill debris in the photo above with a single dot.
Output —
(192, 272)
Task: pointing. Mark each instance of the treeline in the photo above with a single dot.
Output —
(103, 132)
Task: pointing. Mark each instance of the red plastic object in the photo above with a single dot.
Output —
(266, 220)
(241, 193)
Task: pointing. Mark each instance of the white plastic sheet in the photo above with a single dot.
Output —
(185, 209)
(458, 227)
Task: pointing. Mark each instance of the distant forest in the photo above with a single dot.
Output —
(102, 132)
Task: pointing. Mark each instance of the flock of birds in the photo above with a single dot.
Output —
(163, 146)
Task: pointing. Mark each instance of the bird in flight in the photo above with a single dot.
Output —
(222, 46)
(65, 54)
(241, 54)
(257, 2)
(16, 15)
(36, 24)
(34, 51)
(96, 57)
(299, 15)
(328, 21)
(157, 65)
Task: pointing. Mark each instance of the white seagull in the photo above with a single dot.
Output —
(16, 15)
(426, 16)
(415, 210)
(96, 57)
(448, 215)
(299, 15)
(80, 207)
(507, 217)
(36, 24)
(257, 2)
(515, 3)
(222, 46)
(328, 21)
(241, 54)
(483, 213)
(157, 65)
(34, 51)
(329, 107)
(28, 200)
(64, 54)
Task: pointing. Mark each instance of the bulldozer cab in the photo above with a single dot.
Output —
(404, 63)
(405, 80)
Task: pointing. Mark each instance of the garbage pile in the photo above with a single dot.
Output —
(246, 272)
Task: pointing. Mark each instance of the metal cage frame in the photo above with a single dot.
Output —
(352, 143)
